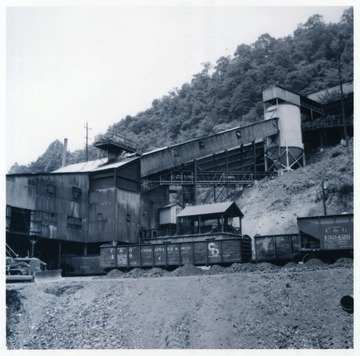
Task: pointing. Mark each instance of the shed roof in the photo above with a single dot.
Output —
(79, 167)
(229, 208)
(170, 205)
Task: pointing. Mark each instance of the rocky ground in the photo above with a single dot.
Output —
(244, 306)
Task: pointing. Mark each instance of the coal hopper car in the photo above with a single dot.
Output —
(327, 237)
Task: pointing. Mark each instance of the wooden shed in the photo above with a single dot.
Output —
(218, 217)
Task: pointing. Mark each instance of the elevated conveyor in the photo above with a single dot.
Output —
(172, 157)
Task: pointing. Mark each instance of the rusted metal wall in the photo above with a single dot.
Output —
(114, 200)
(177, 155)
(114, 215)
(58, 204)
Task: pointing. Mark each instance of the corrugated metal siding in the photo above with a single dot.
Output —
(177, 155)
(124, 177)
(20, 192)
(102, 215)
(101, 180)
(128, 219)
(131, 171)
(54, 195)
(114, 216)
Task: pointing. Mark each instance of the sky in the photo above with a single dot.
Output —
(71, 65)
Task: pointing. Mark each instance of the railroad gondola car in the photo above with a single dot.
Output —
(327, 237)
(198, 250)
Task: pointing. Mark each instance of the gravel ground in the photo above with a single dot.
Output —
(244, 306)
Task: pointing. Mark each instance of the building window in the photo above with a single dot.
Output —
(50, 191)
(74, 223)
(48, 218)
(76, 193)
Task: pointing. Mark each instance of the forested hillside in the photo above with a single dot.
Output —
(229, 93)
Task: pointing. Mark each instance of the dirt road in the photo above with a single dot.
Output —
(243, 306)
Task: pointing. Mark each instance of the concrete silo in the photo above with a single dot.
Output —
(285, 151)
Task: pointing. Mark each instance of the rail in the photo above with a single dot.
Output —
(115, 139)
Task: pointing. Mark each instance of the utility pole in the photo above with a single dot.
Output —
(342, 105)
(323, 195)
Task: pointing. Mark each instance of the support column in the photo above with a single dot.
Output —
(195, 185)
(227, 173)
(59, 255)
(242, 158)
(214, 187)
(32, 242)
(254, 157)
(265, 155)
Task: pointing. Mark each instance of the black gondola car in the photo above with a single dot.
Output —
(206, 234)
(198, 250)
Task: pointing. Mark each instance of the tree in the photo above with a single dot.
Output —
(230, 93)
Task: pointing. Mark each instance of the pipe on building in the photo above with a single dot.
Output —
(63, 163)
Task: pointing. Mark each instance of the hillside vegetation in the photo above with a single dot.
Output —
(272, 206)
(229, 93)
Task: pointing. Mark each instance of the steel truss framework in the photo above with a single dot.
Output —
(239, 166)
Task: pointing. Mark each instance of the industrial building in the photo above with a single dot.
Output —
(124, 197)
